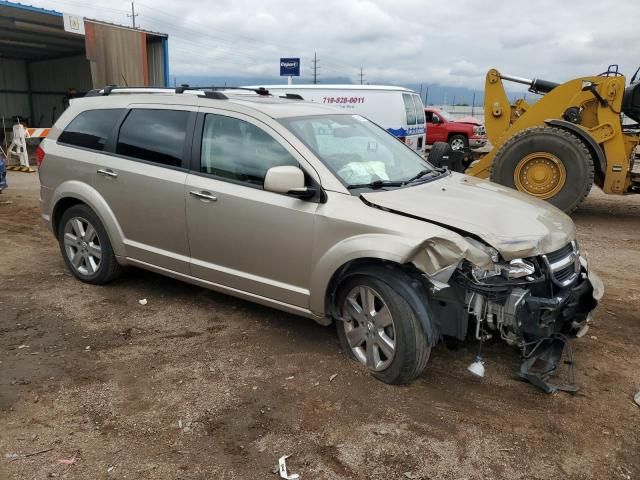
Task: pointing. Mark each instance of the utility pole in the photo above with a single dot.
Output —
(361, 76)
(133, 15)
(426, 97)
(473, 104)
(315, 68)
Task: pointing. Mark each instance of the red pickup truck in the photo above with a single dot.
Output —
(462, 133)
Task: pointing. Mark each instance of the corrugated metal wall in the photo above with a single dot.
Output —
(155, 61)
(117, 55)
(13, 76)
(56, 76)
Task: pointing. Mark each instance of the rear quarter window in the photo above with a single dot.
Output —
(91, 128)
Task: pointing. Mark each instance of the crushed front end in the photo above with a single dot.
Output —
(534, 303)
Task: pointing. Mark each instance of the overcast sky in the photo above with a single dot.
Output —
(451, 42)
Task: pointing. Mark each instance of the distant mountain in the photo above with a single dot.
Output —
(432, 94)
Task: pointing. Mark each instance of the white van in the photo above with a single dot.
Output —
(396, 109)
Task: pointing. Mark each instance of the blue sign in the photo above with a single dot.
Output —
(289, 67)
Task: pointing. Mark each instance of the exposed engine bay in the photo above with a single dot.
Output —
(535, 303)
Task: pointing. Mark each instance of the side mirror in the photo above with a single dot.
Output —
(435, 120)
(288, 180)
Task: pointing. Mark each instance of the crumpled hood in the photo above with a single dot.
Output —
(513, 223)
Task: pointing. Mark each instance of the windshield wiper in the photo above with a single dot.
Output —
(375, 184)
(433, 173)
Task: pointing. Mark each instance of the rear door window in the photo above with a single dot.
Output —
(409, 108)
(91, 128)
(156, 136)
(239, 150)
(419, 109)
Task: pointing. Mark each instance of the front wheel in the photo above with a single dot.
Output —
(548, 163)
(381, 331)
(458, 142)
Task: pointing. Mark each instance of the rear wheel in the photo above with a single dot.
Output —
(85, 246)
(381, 330)
(458, 142)
(548, 163)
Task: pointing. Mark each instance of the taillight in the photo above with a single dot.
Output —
(39, 156)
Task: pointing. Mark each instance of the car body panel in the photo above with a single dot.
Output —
(515, 224)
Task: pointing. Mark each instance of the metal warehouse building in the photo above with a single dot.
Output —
(44, 54)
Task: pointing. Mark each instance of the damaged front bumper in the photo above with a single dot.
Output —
(537, 313)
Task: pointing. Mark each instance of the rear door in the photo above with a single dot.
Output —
(143, 181)
(414, 137)
(241, 236)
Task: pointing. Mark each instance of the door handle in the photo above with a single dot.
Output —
(107, 173)
(203, 196)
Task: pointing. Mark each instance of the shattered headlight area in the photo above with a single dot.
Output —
(533, 303)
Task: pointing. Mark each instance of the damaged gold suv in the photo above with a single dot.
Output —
(314, 211)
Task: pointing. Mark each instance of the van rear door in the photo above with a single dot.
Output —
(415, 121)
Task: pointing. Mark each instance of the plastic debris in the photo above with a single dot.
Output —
(290, 378)
(410, 475)
(88, 347)
(282, 464)
(637, 398)
(23, 346)
(332, 377)
(142, 301)
(68, 461)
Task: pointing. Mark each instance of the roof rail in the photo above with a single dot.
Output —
(112, 89)
(213, 92)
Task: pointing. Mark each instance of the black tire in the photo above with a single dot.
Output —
(565, 146)
(412, 347)
(458, 139)
(107, 268)
(437, 152)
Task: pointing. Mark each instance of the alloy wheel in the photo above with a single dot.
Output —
(457, 144)
(82, 246)
(369, 328)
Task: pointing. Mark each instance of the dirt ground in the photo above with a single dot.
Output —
(199, 385)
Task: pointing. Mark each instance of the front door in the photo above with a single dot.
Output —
(241, 236)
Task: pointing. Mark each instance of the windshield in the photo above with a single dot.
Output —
(446, 115)
(357, 150)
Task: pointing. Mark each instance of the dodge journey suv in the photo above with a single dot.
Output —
(317, 212)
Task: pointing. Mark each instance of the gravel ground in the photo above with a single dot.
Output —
(199, 385)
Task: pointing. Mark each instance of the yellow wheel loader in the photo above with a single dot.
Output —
(558, 147)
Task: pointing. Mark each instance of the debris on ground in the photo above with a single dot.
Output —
(411, 475)
(142, 301)
(332, 377)
(68, 461)
(282, 464)
(637, 398)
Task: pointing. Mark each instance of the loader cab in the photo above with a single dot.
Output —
(631, 98)
(631, 101)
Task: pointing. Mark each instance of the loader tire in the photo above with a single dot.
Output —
(548, 163)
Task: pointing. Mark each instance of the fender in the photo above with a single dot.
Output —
(379, 246)
(595, 149)
(88, 195)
